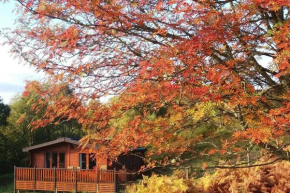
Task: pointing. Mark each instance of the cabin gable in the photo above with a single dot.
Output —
(66, 153)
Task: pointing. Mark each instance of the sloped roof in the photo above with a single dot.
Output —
(60, 140)
(67, 140)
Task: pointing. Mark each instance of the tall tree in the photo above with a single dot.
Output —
(189, 63)
(27, 114)
(18, 133)
(4, 112)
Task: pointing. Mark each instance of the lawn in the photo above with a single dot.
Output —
(6, 183)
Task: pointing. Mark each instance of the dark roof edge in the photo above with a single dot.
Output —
(139, 149)
(64, 139)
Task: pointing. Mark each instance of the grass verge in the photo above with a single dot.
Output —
(7, 183)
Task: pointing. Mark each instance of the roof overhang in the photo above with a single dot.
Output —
(60, 140)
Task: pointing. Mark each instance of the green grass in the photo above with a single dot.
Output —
(7, 183)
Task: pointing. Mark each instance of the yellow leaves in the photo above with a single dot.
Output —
(21, 118)
(114, 32)
(60, 76)
(202, 109)
(198, 115)
(50, 8)
(42, 6)
(134, 4)
(175, 118)
(159, 184)
(271, 178)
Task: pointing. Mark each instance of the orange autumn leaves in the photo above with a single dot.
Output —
(191, 72)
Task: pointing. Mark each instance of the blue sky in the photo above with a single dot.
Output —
(12, 73)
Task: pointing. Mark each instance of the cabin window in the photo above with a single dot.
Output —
(92, 163)
(83, 160)
(86, 161)
(54, 160)
(61, 160)
(47, 160)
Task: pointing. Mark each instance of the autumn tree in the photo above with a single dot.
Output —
(18, 133)
(189, 64)
(26, 114)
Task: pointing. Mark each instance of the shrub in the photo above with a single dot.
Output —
(158, 184)
(273, 178)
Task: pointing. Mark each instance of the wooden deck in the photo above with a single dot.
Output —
(101, 181)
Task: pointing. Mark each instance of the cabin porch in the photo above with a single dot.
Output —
(67, 180)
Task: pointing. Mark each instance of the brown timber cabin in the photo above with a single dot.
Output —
(61, 165)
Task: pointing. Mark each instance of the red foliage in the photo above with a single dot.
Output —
(163, 58)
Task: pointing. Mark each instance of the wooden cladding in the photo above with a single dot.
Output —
(65, 156)
(47, 179)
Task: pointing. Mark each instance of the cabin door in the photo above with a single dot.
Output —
(87, 161)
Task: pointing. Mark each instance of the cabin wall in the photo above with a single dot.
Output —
(37, 159)
(71, 155)
(38, 156)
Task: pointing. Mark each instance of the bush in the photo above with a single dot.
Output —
(273, 178)
(158, 184)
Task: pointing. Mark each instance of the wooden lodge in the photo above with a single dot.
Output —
(62, 166)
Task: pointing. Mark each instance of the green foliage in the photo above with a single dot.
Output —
(125, 118)
(4, 113)
(16, 135)
(22, 116)
(201, 110)
(7, 183)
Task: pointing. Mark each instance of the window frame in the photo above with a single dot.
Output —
(85, 160)
(54, 157)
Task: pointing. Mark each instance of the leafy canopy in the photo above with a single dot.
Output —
(194, 72)
(4, 112)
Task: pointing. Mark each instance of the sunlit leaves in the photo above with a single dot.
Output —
(190, 76)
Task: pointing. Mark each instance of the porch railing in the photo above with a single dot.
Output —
(66, 175)
(67, 179)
